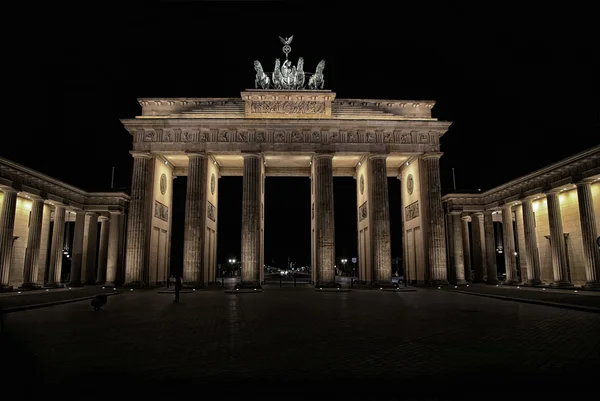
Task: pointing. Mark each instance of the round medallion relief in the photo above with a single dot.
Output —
(163, 184)
(212, 184)
(410, 184)
(362, 184)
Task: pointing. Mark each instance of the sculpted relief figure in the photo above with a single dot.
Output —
(261, 77)
(318, 79)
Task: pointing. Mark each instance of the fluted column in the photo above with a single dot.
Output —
(324, 223)
(77, 258)
(531, 247)
(436, 240)
(557, 242)
(90, 251)
(589, 231)
(458, 250)
(114, 239)
(490, 248)
(103, 249)
(34, 237)
(7, 226)
(56, 249)
(510, 261)
(195, 205)
(139, 220)
(251, 219)
(479, 248)
(380, 220)
(466, 248)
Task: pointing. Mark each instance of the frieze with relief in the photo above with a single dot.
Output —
(411, 211)
(211, 211)
(288, 107)
(161, 211)
(362, 212)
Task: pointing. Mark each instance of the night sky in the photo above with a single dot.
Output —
(520, 84)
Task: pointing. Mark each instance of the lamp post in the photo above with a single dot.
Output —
(344, 264)
(231, 263)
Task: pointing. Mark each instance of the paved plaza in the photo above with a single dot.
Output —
(296, 341)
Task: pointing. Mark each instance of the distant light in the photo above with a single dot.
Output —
(47, 290)
(496, 285)
(237, 289)
(194, 289)
(575, 290)
(165, 162)
(515, 254)
(69, 287)
(544, 289)
(114, 288)
(19, 292)
(439, 288)
(479, 189)
(381, 288)
(255, 289)
(359, 163)
(102, 287)
(407, 163)
(320, 288)
(467, 285)
(131, 289)
(215, 162)
(518, 287)
(455, 286)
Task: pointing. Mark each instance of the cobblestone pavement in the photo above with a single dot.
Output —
(302, 343)
(572, 296)
(21, 298)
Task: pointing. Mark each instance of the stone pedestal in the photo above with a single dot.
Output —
(251, 220)
(56, 249)
(436, 242)
(34, 237)
(557, 244)
(7, 226)
(479, 248)
(324, 223)
(138, 235)
(591, 253)
(510, 260)
(457, 243)
(466, 248)
(114, 240)
(380, 219)
(531, 247)
(103, 250)
(490, 248)
(195, 206)
(77, 258)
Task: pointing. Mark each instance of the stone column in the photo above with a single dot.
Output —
(56, 250)
(380, 220)
(195, 225)
(531, 247)
(90, 239)
(458, 250)
(490, 248)
(557, 242)
(251, 219)
(7, 227)
(479, 248)
(324, 223)
(103, 250)
(510, 261)
(139, 220)
(112, 259)
(34, 237)
(77, 258)
(466, 248)
(589, 231)
(436, 241)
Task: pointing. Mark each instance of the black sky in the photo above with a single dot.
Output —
(519, 82)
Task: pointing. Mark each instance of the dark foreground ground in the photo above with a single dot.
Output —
(298, 343)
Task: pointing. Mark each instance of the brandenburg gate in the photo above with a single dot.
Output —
(288, 125)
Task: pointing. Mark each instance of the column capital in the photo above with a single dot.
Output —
(478, 214)
(587, 181)
(249, 155)
(432, 155)
(7, 189)
(115, 212)
(87, 213)
(323, 155)
(138, 154)
(455, 212)
(465, 217)
(103, 218)
(378, 156)
(196, 154)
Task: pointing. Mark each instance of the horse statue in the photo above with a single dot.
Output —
(300, 74)
(277, 78)
(261, 77)
(317, 80)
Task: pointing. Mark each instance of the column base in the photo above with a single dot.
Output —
(53, 285)
(512, 282)
(100, 282)
(75, 284)
(327, 284)
(6, 288)
(460, 282)
(591, 286)
(534, 282)
(438, 283)
(29, 287)
(135, 284)
(561, 284)
(109, 284)
(492, 281)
